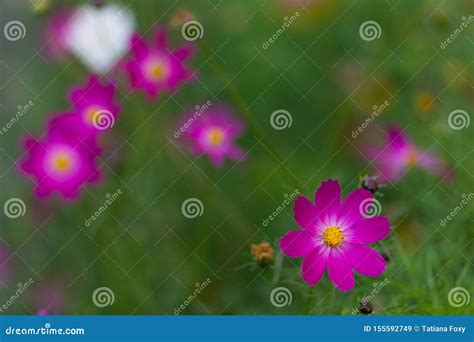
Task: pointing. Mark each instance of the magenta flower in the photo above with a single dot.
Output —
(213, 132)
(58, 163)
(95, 110)
(334, 236)
(394, 158)
(55, 35)
(154, 68)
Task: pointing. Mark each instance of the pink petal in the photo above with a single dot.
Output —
(350, 211)
(340, 270)
(313, 267)
(305, 213)
(366, 260)
(327, 198)
(297, 243)
(369, 230)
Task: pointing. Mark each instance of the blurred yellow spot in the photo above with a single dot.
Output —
(90, 115)
(333, 236)
(215, 136)
(158, 70)
(61, 162)
(425, 101)
(412, 157)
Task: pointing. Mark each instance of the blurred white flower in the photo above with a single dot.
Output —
(99, 36)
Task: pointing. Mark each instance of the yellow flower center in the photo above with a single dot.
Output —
(90, 114)
(158, 70)
(215, 136)
(333, 236)
(412, 157)
(62, 162)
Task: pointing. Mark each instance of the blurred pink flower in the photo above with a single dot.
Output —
(54, 39)
(398, 154)
(154, 68)
(214, 132)
(94, 111)
(58, 163)
(335, 235)
(49, 298)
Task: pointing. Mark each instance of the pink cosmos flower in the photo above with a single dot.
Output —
(154, 68)
(213, 132)
(59, 163)
(95, 110)
(334, 236)
(55, 35)
(398, 154)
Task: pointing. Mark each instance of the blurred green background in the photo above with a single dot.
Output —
(329, 79)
